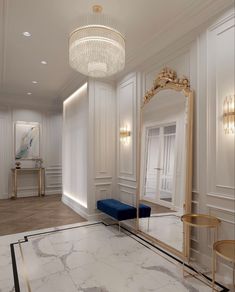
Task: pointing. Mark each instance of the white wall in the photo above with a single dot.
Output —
(75, 146)
(50, 140)
(207, 59)
(89, 147)
(127, 115)
(102, 141)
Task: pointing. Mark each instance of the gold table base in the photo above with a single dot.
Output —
(41, 180)
(200, 221)
(226, 250)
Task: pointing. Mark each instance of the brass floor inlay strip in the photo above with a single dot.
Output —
(25, 274)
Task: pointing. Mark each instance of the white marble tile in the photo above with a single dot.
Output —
(91, 259)
(6, 274)
(99, 259)
(167, 228)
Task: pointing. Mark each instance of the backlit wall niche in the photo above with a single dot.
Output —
(75, 144)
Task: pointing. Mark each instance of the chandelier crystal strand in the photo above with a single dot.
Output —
(97, 47)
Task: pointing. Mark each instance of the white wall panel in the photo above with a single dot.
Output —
(104, 130)
(50, 148)
(89, 147)
(220, 84)
(208, 61)
(127, 112)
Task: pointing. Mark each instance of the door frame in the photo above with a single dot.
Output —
(146, 128)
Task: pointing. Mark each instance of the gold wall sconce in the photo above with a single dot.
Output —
(229, 115)
(125, 134)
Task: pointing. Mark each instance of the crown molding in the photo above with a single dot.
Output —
(230, 15)
(71, 86)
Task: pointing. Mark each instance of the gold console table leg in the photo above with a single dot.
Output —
(14, 184)
(43, 182)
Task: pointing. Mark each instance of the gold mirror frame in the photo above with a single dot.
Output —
(167, 79)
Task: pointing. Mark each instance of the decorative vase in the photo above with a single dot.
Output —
(18, 165)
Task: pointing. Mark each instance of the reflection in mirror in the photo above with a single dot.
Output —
(163, 166)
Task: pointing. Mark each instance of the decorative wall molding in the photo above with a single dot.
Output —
(127, 186)
(102, 191)
(127, 192)
(220, 81)
(103, 177)
(193, 56)
(222, 20)
(221, 209)
(103, 184)
(222, 197)
(50, 150)
(127, 178)
(127, 116)
(225, 187)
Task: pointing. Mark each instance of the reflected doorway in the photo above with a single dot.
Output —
(159, 175)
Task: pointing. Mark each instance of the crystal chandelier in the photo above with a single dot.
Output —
(97, 47)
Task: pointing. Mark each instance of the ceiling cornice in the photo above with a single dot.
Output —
(72, 85)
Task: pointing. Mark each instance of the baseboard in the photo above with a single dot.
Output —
(4, 196)
(82, 211)
(31, 192)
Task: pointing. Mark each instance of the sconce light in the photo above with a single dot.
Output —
(229, 115)
(125, 134)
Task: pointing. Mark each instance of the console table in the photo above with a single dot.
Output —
(40, 172)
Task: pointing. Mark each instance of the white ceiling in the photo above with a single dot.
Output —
(150, 25)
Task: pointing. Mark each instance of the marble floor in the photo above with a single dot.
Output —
(167, 228)
(89, 258)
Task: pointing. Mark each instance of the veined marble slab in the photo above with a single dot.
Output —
(98, 259)
(167, 228)
(6, 274)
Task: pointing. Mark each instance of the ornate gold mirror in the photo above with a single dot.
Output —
(165, 161)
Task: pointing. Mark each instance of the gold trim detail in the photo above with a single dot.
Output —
(25, 274)
(200, 220)
(167, 79)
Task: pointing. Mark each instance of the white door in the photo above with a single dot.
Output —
(160, 164)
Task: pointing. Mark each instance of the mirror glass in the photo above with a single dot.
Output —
(163, 166)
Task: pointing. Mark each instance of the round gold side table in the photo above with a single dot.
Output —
(226, 250)
(199, 221)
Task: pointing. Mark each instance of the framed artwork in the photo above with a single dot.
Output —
(27, 141)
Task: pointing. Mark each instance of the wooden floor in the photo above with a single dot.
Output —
(26, 214)
(155, 208)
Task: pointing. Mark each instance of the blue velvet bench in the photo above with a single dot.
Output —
(121, 211)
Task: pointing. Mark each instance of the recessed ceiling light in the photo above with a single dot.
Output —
(29, 93)
(44, 62)
(34, 82)
(26, 34)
